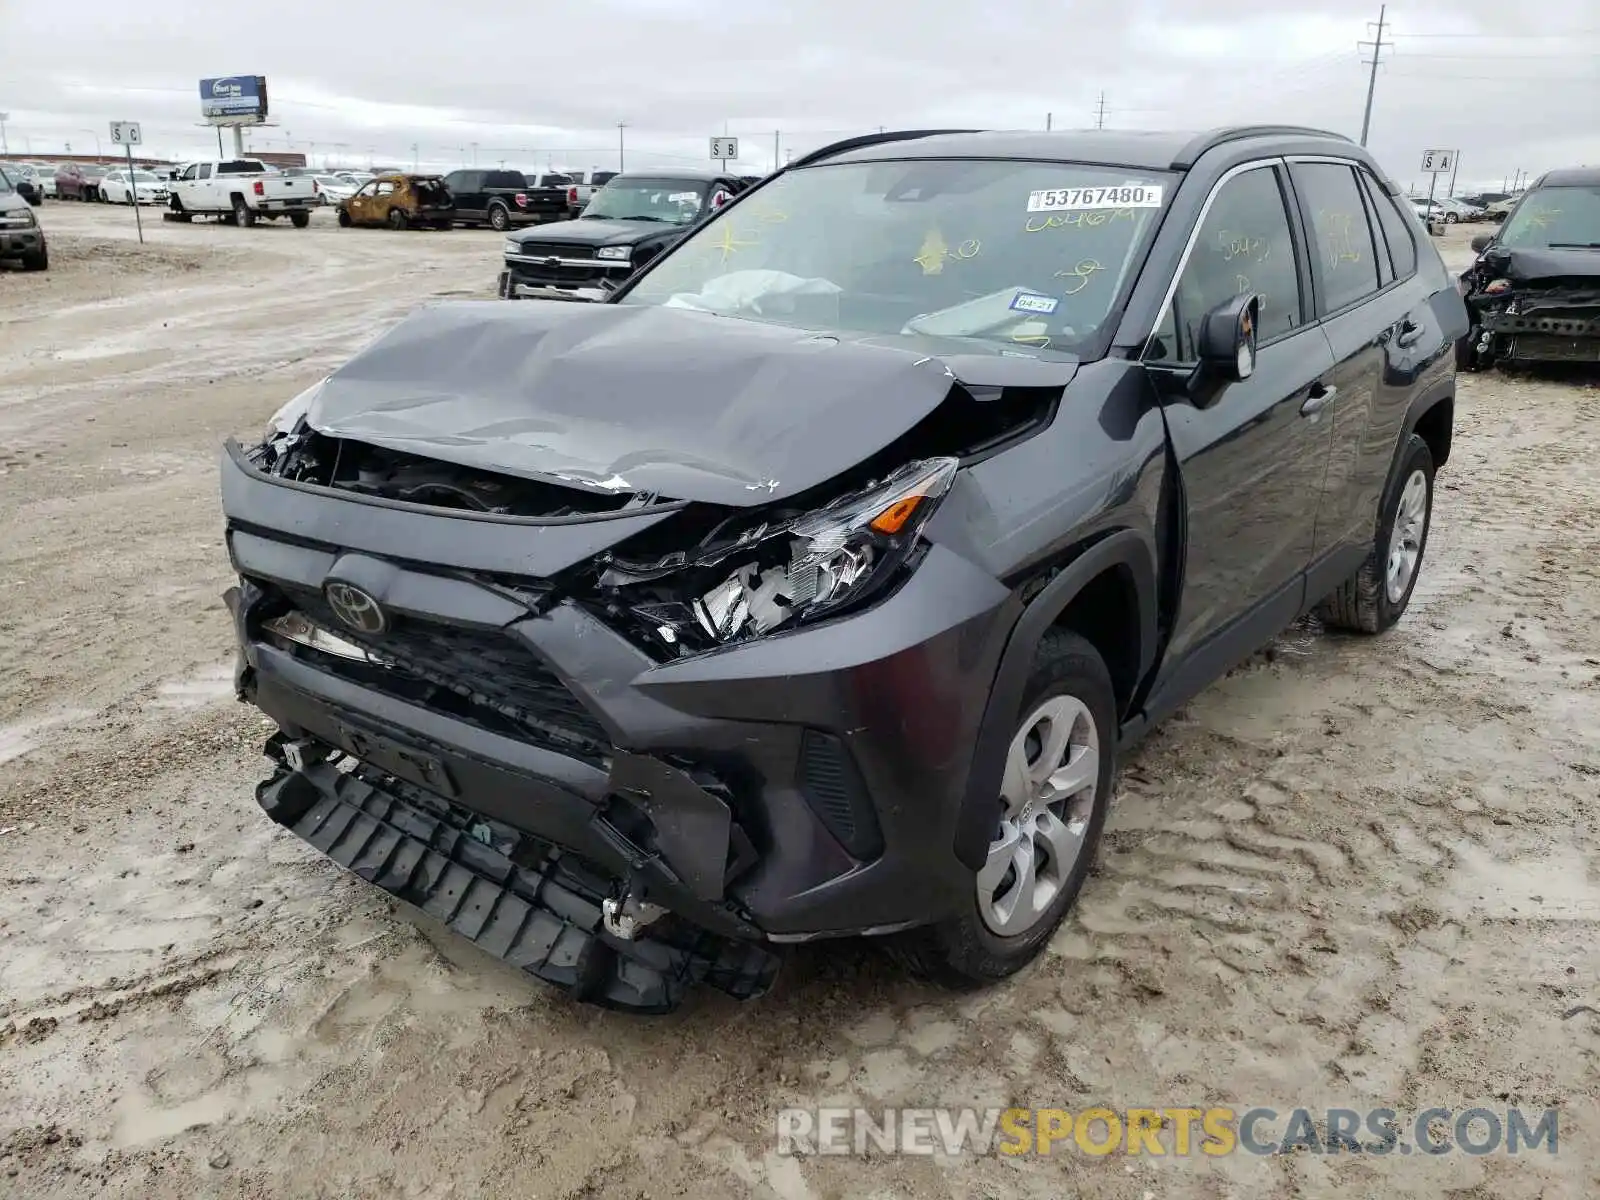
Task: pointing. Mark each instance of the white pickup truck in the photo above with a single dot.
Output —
(241, 190)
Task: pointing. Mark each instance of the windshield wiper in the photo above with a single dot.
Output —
(641, 217)
(1575, 245)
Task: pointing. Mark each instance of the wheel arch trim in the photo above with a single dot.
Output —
(1124, 549)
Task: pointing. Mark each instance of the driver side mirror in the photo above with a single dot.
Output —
(29, 193)
(1226, 347)
(1480, 242)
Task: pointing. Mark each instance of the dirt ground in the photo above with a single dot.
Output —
(1355, 873)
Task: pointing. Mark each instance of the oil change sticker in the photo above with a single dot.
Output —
(1122, 195)
(684, 198)
(1032, 302)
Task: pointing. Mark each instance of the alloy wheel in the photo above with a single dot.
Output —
(1405, 538)
(1048, 794)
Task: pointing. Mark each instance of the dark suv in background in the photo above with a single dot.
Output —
(812, 584)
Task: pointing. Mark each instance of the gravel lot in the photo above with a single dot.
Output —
(1354, 872)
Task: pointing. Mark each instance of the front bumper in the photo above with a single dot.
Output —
(1538, 332)
(581, 277)
(17, 241)
(799, 786)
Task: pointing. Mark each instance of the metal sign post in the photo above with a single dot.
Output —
(126, 134)
(1436, 163)
(724, 148)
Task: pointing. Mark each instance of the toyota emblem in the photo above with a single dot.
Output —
(356, 608)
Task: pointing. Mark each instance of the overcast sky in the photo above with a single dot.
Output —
(1511, 85)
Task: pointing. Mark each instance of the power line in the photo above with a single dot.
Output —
(1377, 45)
(1501, 37)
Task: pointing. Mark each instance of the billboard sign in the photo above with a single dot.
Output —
(234, 96)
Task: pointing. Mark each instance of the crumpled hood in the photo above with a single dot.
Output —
(1577, 268)
(648, 399)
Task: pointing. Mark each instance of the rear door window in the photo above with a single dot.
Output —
(1395, 227)
(1344, 257)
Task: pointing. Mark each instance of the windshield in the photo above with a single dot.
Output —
(674, 201)
(1019, 253)
(1555, 217)
(5, 181)
(144, 177)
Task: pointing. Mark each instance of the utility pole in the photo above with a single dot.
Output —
(1372, 80)
(621, 161)
(775, 155)
(1100, 113)
(1453, 168)
(413, 156)
(474, 153)
(1048, 117)
(5, 146)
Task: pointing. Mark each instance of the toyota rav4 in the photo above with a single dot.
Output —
(811, 584)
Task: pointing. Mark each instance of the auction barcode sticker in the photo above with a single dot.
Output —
(1122, 195)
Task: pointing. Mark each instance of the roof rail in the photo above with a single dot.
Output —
(871, 139)
(1213, 138)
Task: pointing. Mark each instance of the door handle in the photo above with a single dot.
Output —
(1321, 396)
(1410, 333)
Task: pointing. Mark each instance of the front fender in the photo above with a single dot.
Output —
(1124, 549)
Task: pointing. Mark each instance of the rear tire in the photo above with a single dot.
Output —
(1376, 596)
(1068, 682)
(499, 218)
(242, 213)
(299, 220)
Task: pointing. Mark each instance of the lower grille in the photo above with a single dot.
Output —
(832, 785)
(491, 669)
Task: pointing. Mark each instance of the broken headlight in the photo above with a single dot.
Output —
(287, 417)
(810, 566)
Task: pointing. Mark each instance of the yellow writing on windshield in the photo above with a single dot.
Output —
(1031, 339)
(1090, 218)
(935, 252)
(1080, 275)
(1540, 218)
(729, 241)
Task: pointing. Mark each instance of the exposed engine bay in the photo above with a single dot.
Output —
(1522, 314)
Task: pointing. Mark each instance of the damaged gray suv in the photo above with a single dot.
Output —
(810, 585)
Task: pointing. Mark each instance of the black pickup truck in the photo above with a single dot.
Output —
(502, 199)
(626, 223)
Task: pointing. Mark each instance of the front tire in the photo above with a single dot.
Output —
(1376, 596)
(344, 219)
(39, 261)
(398, 219)
(1055, 795)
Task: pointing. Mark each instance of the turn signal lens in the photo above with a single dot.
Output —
(893, 519)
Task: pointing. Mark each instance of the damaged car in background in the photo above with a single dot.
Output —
(808, 586)
(1534, 291)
